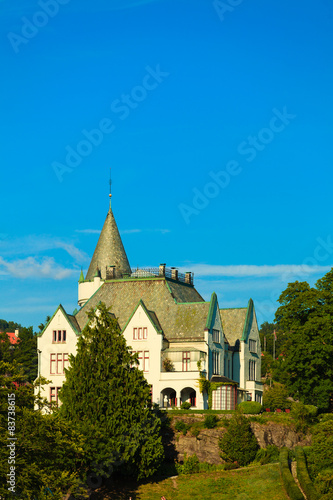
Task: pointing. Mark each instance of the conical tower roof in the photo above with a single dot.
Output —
(109, 251)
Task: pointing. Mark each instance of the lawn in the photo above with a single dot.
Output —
(254, 483)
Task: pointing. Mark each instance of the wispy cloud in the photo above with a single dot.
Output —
(88, 231)
(32, 268)
(259, 271)
(125, 231)
(34, 244)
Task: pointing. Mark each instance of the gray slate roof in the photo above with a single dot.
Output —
(109, 251)
(233, 321)
(178, 308)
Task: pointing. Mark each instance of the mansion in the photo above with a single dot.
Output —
(179, 337)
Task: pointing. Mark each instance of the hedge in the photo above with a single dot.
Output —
(303, 475)
(291, 487)
(250, 407)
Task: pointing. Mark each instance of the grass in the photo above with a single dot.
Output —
(253, 483)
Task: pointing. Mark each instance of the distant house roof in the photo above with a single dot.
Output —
(13, 338)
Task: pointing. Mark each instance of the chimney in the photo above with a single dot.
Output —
(174, 273)
(188, 278)
(161, 271)
(16, 333)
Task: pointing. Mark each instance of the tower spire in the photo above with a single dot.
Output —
(110, 195)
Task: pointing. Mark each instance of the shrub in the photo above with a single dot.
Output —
(268, 455)
(250, 407)
(195, 429)
(288, 481)
(181, 427)
(320, 454)
(303, 415)
(238, 444)
(210, 421)
(303, 475)
(185, 406)
(190, 465)
(168, 365)
(324, 484)
(276, 397)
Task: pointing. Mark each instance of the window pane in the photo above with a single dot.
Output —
(135, 333)
(59, 335)
(65, 361)
(140, 333)
(140, 360)
(59, 363)
(54, 336)
(64, 335)
(146, 361)
(52, 363)
(145, 333)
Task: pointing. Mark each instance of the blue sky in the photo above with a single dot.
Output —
(216, 118)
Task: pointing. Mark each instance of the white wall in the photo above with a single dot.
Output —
(47, 347)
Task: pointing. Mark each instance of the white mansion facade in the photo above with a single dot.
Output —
(177, 335)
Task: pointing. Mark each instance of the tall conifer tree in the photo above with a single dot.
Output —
(109, 400)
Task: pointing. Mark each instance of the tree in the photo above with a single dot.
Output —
(109, 399)
(238, 443)
(26, 352)
(46, 456)
(306, 317)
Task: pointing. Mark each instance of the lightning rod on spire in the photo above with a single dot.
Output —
(110, 189)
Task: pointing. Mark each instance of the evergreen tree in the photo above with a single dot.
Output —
(109, 400)
(25, 352)
(238, 443)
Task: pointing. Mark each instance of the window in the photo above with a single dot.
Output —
(66, 362)
(140, 360)
(59, 336)
(252, 370)
(143, 358)
(52, 364)
(58, 363)
(140, 333)
(54, 394)
(252, 345)
(216, 336)
(146, 361)
(216, 362)
(186, 361)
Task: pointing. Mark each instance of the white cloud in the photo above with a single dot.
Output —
(285, 271)
(31, 268)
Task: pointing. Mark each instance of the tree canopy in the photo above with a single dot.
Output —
(306, 317)
(109, 400)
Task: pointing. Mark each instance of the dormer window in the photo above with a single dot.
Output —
(59, 336)
(216, 336)
(252, 345)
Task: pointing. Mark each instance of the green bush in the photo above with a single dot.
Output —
(320, 454)
(276, 397)
(250, 407)
(324, 484)
(267, 455)
(303, 475)
(190, 465)
(185, 406)
(324, 417)
(288, 481)
(182, 427)
(210, 421)
(238, 443)
(303, 415)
